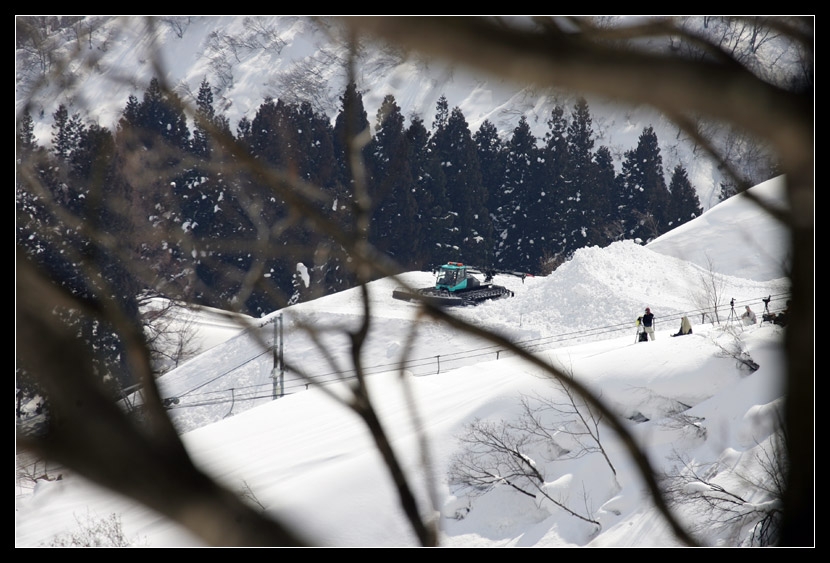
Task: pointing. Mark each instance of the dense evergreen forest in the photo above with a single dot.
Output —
(438, 193)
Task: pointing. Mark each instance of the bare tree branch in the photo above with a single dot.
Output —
(150, 464)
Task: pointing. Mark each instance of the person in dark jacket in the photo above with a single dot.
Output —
(648, 323)
(783, 317)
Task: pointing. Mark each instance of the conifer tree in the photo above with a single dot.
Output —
(32, 214)
(130, 116)
(300, 141)
(94, 173)
(204, 121)
(211, 205)
(520, 226)
(492, 158)
(268, 133)
(351, 123)
(209, 210)
(243, 132)
(200, 191)
(93, 160)
(471, 234)
(685, 203)
(657, 194)
(554, 165)
(126, 132)
(583, 205)
(156, 180)
(282, 137)
(80, 175)
(25, 140)
(351, 126)
(630, 200)
(607, 227)
(66, 137)
(438, 148)
(642, 188)
(442, 114)
(393, 227)
(434, 213)
(313, 151)
(318, 164)
(66, 133)
(161, 117)
(30, 210)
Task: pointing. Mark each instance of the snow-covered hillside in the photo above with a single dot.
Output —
(299, 58)
(595, 296)
(308, 460)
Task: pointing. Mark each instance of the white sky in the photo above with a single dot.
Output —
(310, 461)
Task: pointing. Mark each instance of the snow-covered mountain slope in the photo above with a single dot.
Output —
(246, 59)
(310, 461)
(596, 296)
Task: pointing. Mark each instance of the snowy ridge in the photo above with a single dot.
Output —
(595, 296)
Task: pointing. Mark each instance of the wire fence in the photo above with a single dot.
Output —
(433, 365)
(254, 379)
